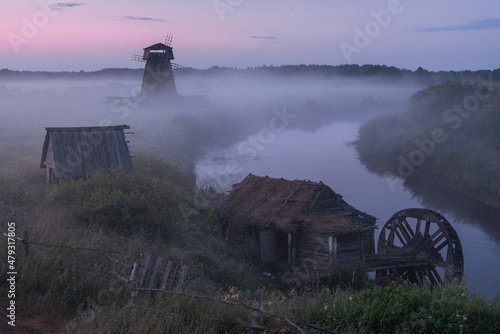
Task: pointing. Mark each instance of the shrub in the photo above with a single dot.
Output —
(127, 202)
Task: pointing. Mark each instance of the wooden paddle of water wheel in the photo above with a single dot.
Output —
(418, 245)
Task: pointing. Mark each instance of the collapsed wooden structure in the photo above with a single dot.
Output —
(296, 222)
(76, 152)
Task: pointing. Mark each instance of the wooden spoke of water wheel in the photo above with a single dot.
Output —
(420, 245)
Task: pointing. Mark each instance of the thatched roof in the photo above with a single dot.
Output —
(77, 152)
(263, 201)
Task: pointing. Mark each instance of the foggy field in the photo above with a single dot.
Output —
(239, 106)
(280, 124)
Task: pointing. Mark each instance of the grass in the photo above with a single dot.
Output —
(81, 289)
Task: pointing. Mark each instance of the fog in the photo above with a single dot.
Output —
(216, 111)
(227, 125)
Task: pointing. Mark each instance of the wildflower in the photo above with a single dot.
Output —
(326, 307)
(465, 317)
(350, 297)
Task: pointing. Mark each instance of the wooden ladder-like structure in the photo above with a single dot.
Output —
(145, 275)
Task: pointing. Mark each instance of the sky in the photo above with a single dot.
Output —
(92, 35)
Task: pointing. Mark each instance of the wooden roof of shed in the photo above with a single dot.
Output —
(75, 152)
(263, 202)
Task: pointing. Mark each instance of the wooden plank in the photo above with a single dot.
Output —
(163, 283)
(173, 277)
(330, 251)
(133, 276)
(142, 270)
(149, 270)
(335, 250)
(267, 243)
(290, 261)
(90, 128)
(184, 271)
(408, 227)
(155, 273)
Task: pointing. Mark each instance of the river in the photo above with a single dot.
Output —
(324, 156)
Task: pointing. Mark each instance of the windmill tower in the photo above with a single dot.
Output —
(158, 79)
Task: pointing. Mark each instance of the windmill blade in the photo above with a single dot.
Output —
(181, 68)
(168, 39)
(138, 58)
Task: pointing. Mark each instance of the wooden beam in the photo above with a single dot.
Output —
(90, 128)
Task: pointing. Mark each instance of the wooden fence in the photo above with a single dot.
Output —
(145, 275)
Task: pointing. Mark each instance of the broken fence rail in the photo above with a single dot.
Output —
(145, 274)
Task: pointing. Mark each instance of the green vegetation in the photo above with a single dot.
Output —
(449, 135)
(366, 71)
(155, 209)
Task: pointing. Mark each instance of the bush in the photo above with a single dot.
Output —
(126, 202)
(464, 156)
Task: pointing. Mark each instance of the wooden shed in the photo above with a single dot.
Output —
(78, 151)
(296, 222)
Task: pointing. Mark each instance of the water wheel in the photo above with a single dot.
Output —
(420, 245)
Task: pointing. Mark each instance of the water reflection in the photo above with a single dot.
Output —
(464, 209)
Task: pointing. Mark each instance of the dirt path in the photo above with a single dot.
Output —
(30, 321)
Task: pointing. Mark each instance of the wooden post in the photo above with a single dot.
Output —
(335, 246)
(26, 243)
(290, 261)
(332, 250)
(256, 304)
(133, 277)
(227, 240)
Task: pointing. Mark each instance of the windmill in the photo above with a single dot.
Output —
(158, 76)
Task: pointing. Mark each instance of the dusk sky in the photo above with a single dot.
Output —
(92, 35)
